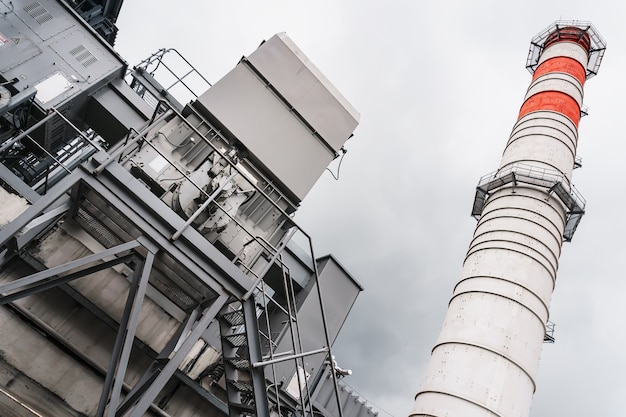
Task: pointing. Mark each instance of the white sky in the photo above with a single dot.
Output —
(439, 85)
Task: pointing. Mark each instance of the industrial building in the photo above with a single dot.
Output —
(147, 266)
(485, 360)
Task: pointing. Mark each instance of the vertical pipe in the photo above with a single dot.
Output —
(485, 360)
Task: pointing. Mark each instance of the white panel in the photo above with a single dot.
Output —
(480, 377)
(520, 230)
(52, 87)
(508, 289)
(529, 254)
(550, 119)
(297, 79)
(496, 324)
(440, 404)
(565, 49)
(532, 202)
(554, 154)
(528, 129)
(545, 138)
(268, 129)
(508, 264)
(564, 83)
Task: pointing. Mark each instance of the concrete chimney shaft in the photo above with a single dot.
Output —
(486, 357)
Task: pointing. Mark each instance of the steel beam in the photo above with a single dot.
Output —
(171, 366)
(197, 388)
(41, 223)
(261, 403)
(155, 367)
(151, 215)
(49, 273)
(45, 201)
(151, 225)
(42, 286)
(125, 337)
(18, 185)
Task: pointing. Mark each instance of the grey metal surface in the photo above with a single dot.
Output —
(306, 88)
(114, 110)
(340, 292)
(293, 129)
(101, 15)
(40, 47)
(324, 399)
(18, 185)
(125, 336)
(261, 405)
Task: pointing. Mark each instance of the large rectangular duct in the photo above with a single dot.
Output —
(281, 108)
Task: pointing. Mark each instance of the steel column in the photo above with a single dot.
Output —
(171, 366)
(261, 403)
(125, 336)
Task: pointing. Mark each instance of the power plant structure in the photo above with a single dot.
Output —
(147, 266)
(485, 360)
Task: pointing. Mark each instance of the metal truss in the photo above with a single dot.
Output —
(157, 231)
(222, 278)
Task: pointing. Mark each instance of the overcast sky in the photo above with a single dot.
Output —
(438, 85)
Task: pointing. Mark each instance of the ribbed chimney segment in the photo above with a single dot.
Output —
(486, 357)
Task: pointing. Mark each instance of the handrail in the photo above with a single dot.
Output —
(542, 174)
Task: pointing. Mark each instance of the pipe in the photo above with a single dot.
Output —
(288, 358)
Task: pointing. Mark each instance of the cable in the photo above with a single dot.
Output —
(344, 152)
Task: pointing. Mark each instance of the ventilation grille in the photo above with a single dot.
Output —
(38, 12)
(83, 56)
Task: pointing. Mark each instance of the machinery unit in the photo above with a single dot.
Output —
(146, 261)
(486, 357)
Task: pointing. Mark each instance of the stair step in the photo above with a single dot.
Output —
(237, 340)
(246, 409)
(239, 363)
(234, 318)
(241, 386)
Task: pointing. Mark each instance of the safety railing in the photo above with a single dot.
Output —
(551, 181)
(532, 175)
(40, 167)
(174, 75)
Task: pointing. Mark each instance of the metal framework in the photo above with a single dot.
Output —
(140, 232)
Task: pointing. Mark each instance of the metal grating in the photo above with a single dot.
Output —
(239, 363)
(38, 12)
(234, 318)
(83, 55)
(242, 386)
(96, 229)
(237, 340)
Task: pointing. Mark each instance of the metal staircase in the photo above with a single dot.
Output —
(241, 349)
